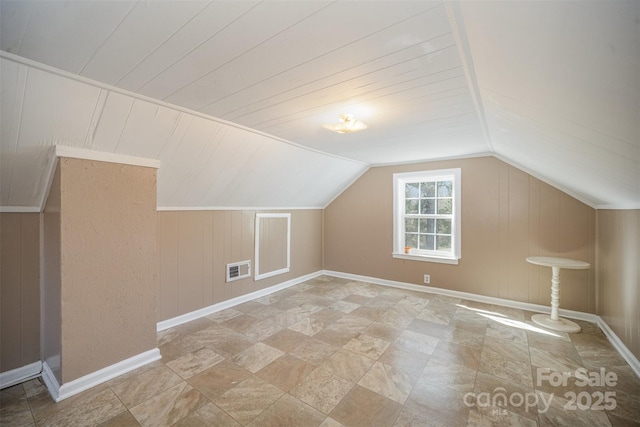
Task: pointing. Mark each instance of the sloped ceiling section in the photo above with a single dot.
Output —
(552, 87)
(560, 88)
(204, 162)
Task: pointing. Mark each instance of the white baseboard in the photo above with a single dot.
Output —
(60, 392)
(196, 314)
(20, 375)
(624, 351)
(50, 381)
(629, 357)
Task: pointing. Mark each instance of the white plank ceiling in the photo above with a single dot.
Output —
(231, 96)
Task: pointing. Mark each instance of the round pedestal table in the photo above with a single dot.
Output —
(553, 321)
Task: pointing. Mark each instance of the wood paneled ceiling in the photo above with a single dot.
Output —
(231, 95)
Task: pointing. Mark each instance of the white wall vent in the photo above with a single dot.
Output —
(238, 270)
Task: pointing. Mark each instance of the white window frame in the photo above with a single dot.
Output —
(399, 181)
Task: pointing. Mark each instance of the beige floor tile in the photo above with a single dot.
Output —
(286, 372)
(367, 346)
(337, 353)
(414, 341)
(503, 367)
(289, 411)
(93, 410)
(123, 419)
(458, 354)
(493, 387)
(388, 381)
(322, 390)
(230, 345)
(313, 350)
(285, 340)
(362, 407)
(208, 415)
(248, 399)
(193, 363)
(434, 406)
(440, 373)
(344, 306)
(217, 380)
(256, 357)
(347, 365)
(557, 414)
(497, 416)
(308, 326)
(224, 315)
(135, 389)
(170, 406)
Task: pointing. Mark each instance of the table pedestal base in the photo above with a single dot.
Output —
(560, 325)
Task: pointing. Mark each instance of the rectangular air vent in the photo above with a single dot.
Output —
(238, 270)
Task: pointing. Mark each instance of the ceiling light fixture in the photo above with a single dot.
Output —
(348, 124)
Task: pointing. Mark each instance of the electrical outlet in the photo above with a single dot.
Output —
(427, 278)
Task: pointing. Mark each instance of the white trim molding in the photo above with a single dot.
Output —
(257, 274)
(100, 156)
(19, 209)
(193, 315)
(20, 375)
(629, 357)
(60, 392)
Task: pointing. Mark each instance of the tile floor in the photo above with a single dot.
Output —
(332, 352)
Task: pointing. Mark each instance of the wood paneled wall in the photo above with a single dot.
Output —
(507, 215)
(19, 290)
(195, 246)
(619, 274)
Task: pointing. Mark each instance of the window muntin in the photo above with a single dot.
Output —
(426, 214)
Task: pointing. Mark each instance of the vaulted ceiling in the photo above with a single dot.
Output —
(231, 96)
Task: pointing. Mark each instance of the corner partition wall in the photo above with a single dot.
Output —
(99, 272)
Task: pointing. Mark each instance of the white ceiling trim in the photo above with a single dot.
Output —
(624, 207)
(100, 156)
(43, 67)
(460, 36)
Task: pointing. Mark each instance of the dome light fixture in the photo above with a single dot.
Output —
(347, 124)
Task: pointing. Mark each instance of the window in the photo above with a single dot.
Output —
(426, 216)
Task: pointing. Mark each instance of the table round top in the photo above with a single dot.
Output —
(548, 261)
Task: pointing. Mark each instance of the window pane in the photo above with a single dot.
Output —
(428, 189)
(444, 226)
(428, 206)
(411, 225)
(411, 190)
(443, 243)
(445, 188)
(411, 206)
(427, 226)
(423, 241)
(444, 206)
(429, 240)
(411, 240)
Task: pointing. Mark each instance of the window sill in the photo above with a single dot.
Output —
(422, 258)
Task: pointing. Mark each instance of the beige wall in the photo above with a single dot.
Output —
(507, 215)
(195, 247)
(19, 290)
(107, 264)
(619, 274)
(273, 243)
